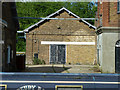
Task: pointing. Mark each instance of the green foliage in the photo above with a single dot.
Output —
(43, 62)
(35, 9)
(37, 61)
(20, 44)
(43, 9)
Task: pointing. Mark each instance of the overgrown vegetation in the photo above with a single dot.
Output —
(20, 44)
(37, 61)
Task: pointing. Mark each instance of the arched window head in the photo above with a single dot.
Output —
(118, 43)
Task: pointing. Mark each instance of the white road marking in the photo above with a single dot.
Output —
(97, 82)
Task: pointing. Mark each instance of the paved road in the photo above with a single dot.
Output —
(50, 81)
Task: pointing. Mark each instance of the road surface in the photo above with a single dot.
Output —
(59, 81)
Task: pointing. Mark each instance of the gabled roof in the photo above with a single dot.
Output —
(36, 24)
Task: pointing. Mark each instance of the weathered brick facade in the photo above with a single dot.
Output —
(109, 14)
(62, 31)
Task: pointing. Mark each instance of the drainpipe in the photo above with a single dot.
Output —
(38, 46)
(32, 46)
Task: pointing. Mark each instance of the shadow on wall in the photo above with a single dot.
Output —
(46, 69)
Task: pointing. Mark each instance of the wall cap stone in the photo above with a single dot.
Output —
(108, 30)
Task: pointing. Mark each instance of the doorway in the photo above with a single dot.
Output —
(117, 57)
(57, 54)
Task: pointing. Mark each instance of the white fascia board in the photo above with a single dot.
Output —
(67, 43)
(36, 24)
(20, 31)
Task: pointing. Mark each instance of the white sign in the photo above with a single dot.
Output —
(30, 87)
(67, 43)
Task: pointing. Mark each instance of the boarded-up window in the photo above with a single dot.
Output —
(57, 54)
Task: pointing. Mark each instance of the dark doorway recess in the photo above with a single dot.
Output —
(117, 57)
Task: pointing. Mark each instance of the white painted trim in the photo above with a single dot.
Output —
(67, 43)
(20, 31)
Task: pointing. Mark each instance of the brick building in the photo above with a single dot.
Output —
(10, 26)
(61, 41)
(108, 36)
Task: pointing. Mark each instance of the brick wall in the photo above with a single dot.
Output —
(82, 54)
(110, 16)
(61, 30)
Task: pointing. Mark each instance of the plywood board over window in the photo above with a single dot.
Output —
(57, 54)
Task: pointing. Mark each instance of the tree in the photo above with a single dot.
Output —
(43, 9)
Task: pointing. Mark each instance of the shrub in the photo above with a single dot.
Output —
(37, 61)
(43, 62)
